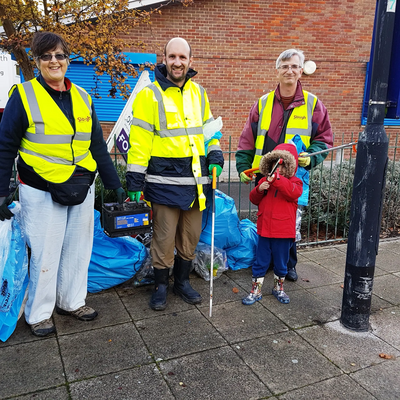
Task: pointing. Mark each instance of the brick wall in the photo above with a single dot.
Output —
(235, 45)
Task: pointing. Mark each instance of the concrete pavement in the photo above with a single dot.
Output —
(265, 351)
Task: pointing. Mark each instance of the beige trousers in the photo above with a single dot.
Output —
(174, 228)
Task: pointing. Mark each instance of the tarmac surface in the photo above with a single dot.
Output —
(265, 351)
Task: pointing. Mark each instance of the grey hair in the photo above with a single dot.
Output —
(288, 54)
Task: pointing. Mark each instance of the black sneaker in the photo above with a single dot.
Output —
(292, 275)
(84, 313)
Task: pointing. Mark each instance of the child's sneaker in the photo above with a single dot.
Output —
(278, 292)
(255, 294)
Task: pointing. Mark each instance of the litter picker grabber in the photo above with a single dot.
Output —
(251, 172)
(214, 186)
(342, 146)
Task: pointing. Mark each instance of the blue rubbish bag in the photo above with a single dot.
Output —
(226, 229)
(244, 255)
(113, 260)
(13, 271)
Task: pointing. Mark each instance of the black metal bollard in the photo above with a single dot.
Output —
(369, 183)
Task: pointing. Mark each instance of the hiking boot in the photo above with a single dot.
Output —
(84, 313)
(43, 328)
(255, 294)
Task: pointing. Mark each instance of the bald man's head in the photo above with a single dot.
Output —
(178, 39)
(178, 60)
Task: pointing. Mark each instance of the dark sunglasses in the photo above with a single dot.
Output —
(49, 57)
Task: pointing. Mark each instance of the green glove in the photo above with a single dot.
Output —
(244, 178)
(304, 161)
(121, 195)
(210, 168)
(134, 196)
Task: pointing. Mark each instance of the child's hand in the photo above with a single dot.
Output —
(264, 186)
(274, 177)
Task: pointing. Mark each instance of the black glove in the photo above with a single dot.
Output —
(5, 213)
(121, 195)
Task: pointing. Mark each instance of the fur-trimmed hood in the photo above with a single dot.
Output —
(288, 153)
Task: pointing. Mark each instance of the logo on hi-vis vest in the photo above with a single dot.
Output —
(86, 119)
(299, 117)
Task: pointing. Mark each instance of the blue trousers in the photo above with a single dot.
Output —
(268, 249)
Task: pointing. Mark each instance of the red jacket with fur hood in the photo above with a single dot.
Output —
(277, 206)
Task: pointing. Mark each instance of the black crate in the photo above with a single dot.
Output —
(126, 219)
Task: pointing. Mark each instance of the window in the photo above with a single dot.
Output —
(392, 117)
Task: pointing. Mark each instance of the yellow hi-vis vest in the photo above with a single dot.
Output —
(50, 145)
(173, 121)
(299, 123)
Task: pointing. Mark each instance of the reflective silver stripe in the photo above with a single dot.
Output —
(81, 157)
(261, 113)
(190, 181)
(34, 107)
(305, 132)
(85, 98)
(180, 132)
(161, 111)
(142, 124)
(83, 136)
(261, 132)
(48, 139)
(136, 168)
(213, 147)
(54, 160)
(203, 103)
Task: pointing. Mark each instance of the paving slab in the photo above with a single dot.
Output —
(387, 288)
(333, 295)
(347, 349)
(213, 374)
(29, 367)
(109, 306)
(285, 361)
(224, 290)
(102, 351)
(382, 381)
(177, 334)
(237, 322)
(312, 274)
(60, 393)
(386, 325)
(341, 387)
(144, 382)
(304, 309)
(136, 300)
(388, 260)
(323, 253)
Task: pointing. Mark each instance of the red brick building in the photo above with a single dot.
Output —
(235, 45)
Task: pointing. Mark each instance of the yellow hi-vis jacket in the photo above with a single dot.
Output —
(299, 123)
(50, 145)
(167, 144)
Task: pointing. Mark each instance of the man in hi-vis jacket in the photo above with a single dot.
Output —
(167, 159)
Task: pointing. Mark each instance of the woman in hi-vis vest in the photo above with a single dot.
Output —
(53, 125)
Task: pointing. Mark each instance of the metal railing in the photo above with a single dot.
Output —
(326, 218)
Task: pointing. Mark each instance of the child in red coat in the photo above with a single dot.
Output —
(276, 197)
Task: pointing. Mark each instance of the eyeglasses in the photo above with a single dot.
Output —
(49, 57)
(293, 67)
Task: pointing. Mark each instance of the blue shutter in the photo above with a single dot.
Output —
(107, 108)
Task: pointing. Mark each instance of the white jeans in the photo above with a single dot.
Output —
(61, 240)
